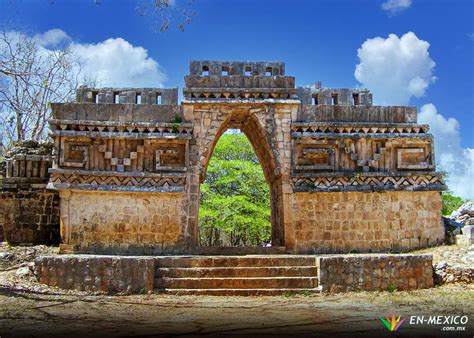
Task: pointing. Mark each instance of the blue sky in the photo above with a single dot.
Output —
(318, 40)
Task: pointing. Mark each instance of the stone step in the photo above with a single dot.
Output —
(234, 261)
(237, 283)
(277, 271)
(241, 292)
(240, 251)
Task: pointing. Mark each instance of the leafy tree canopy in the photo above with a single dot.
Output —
(450, 203)
(235, 199)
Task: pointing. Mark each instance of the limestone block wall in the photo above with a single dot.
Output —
(268, 130)
(334, 96)
(344, 175)
(148, 96)
(29, 213)
(364, 222)
(120, 222)
(375, 272)
(29, 216)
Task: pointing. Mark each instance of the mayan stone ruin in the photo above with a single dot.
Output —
(123, 188)
(29, 213)
(344, 175)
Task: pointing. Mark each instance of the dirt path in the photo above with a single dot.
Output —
(28, 308)
(26, 313)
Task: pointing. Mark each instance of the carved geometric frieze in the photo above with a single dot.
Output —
(316, 159)
(85, 128)
(120, 163)
(314, 128)
(74, 154)
(163, 156)
(169, 156)
(124, 155)
(413, 158)
(360, 154)
(431, 181)
(86, 180)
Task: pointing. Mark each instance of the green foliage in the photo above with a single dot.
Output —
(392, 287)
(235, 146)
(235, 198)
(176, 119)
(450, 203)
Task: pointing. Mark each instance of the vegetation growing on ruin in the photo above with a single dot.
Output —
(235, 199)
(450, 203)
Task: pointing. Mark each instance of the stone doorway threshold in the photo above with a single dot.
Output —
(237, 251)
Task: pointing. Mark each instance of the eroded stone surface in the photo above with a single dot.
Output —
(371, 167)
(29, 213)
(121, 222)
(365, 222)
(375, 272)
(110, 274)
(235, 275)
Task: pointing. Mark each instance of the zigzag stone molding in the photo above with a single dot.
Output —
(369, 182)
(301, 128)
(58, 126)
(115, 181)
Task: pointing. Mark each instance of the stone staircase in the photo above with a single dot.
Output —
(237, 275)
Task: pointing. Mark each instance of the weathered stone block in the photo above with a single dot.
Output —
(374, 272)
(97, 273)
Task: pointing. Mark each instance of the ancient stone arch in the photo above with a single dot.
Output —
(344, 175)
(253, 121)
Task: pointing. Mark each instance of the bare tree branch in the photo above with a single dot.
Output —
(31, 77)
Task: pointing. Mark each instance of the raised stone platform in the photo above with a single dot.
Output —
(236, 275)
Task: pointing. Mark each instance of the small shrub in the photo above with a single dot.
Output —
(392, 287)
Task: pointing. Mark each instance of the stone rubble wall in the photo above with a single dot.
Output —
(227, 83)
(365, 222)
(446, 273)
(375, 272)
(111, 274)
(464, 214)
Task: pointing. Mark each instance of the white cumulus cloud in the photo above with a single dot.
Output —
(395, 6)
(395, 69)
(114, 62)
(450, 155)
(51, 38)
